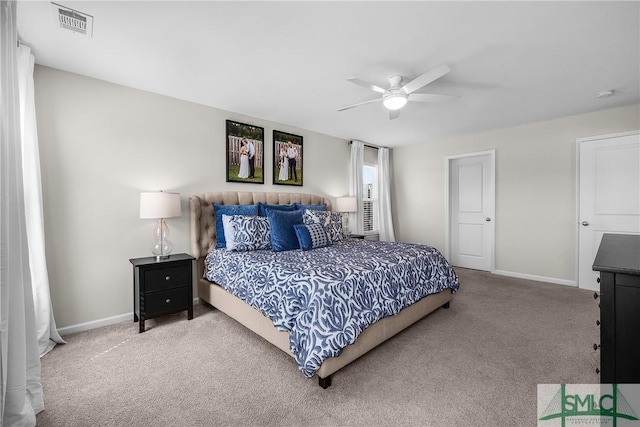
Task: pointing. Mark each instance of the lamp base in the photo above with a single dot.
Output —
(345, 225)
(161, 249)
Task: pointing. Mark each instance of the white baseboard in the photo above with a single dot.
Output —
(536, 278)
(95, 324)
(102, 322)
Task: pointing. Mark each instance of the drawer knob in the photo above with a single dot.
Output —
(167, 278)
(597, 370)
(595, 295)
(596, 347)
(168, 301)
(598, 322)
(598, 280)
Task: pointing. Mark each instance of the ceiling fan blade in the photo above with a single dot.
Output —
(359, 104)
(366, 84)
(394, 114)
(426, 78)
(431, 97)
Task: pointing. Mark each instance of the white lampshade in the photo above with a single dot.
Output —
(160, 205)
(346, 204)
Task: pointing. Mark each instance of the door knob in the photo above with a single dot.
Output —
(487, 219)
(585, 223)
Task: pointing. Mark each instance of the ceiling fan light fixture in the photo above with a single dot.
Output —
(397, 96)
(605, 94)
(394, 101)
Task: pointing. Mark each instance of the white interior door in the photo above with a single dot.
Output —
(609, 196)
(471, 208)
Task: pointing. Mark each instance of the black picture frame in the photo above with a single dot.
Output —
(237, 133)
(291, 144)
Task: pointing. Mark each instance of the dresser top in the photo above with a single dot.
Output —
(618, 253)
(152, 260)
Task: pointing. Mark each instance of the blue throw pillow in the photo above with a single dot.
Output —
(283, 235)
(311, 236)
(219, 210)
(262, 208)
(311, 207)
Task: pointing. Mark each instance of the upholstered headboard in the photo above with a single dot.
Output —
(203, 223)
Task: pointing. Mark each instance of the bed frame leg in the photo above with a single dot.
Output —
(324, 382)
(446, 304)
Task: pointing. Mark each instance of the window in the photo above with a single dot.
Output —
(369, 198)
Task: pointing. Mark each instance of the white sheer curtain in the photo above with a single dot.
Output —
(46, 330)
(21, 392)
(385, 219)
(355, 185)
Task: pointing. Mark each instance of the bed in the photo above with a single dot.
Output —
(226, 288)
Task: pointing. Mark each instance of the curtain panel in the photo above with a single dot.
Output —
(385, 218)
(21, 389)
(355, 185)
(47, 333)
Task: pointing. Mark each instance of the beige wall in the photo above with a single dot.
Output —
(101, 145)
(535, 189)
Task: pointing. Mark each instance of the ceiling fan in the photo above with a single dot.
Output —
(397, 96)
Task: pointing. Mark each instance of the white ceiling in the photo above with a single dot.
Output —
(288, 62)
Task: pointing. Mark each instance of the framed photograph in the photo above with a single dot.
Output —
(287, 158)
(245, 153)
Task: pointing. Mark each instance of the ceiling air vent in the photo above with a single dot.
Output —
(72, 20)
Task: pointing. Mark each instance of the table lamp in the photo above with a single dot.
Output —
(346, 205)
(160, 205)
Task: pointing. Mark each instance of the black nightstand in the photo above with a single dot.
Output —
(162, 287)
(365, 236)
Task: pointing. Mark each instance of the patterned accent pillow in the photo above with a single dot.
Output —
(247, 233)
(332, 222)
(219, 210)
(311, 236)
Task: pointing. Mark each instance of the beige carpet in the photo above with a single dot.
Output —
(476, 364)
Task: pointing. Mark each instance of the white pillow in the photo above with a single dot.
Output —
(228, 230)
(246, 233)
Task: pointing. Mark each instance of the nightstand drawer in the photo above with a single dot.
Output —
(160, 302)
(167, 277)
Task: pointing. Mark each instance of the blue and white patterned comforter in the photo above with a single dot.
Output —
(326, 297)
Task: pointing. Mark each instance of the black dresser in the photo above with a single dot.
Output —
(618, 261)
